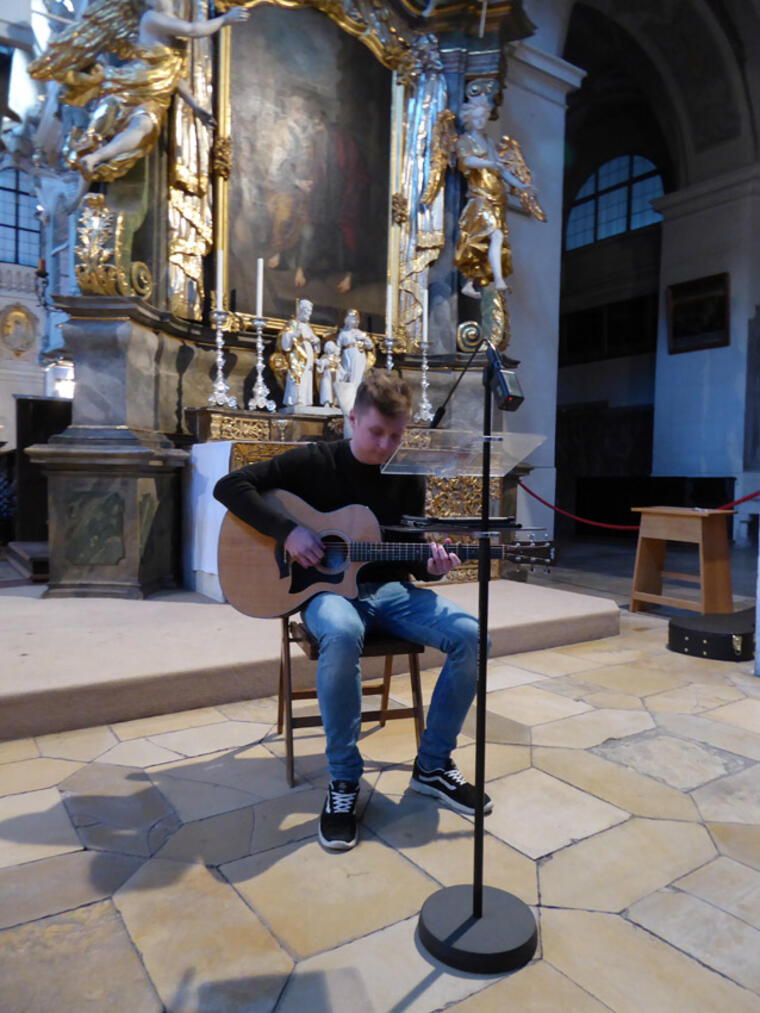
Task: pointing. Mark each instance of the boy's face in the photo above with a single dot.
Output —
(375, 436)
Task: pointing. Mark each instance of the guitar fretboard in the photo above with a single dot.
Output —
(420, 551)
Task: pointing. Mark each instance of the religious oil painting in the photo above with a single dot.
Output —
(309, 189)
(698, 314)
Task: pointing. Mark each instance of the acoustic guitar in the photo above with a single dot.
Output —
(259, 579)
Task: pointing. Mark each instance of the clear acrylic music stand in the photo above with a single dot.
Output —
(482, 930)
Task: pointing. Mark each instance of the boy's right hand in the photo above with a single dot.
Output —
(304, 546)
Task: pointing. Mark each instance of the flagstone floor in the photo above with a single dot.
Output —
(164, 864)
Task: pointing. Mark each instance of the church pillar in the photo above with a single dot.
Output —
(705, 411)
(533, 111)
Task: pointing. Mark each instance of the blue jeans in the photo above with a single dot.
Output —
(403, 610)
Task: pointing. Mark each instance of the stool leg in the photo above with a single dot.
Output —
(414, 676)
(647, 571)
(388, 671)
(287, 685)
(714, 567)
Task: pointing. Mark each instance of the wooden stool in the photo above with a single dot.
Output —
(374, 647)
(705, 528)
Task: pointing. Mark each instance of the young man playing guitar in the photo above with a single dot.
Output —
(329, 476)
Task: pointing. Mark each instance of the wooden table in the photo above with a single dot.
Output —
(705, 528)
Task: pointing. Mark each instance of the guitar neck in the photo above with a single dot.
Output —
(415, 552)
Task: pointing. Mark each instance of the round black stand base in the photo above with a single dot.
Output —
(503, 939)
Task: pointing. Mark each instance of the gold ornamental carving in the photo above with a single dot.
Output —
(461, 497)
(222, 427)
(97, 268)
(221, 160)
(242, 454)
(399, 208)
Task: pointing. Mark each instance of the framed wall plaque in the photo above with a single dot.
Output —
(698, 314)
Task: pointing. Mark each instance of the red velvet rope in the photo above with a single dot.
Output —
(617, 527)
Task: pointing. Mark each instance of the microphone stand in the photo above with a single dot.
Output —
(486, 931)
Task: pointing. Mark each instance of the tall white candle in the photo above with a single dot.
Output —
(260, 287)
(219, 278)
(425, 316)
(388, 312)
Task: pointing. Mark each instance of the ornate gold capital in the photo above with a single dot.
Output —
(97, 266)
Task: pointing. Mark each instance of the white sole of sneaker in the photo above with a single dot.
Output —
(337, 845)
(429, 789)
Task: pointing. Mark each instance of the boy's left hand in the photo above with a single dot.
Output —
(441, 560)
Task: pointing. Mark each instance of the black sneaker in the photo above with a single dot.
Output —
(448, 784)
(337, 824)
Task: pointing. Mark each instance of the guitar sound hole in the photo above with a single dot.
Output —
(335, 558)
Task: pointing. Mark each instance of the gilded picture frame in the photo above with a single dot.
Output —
(309, 191)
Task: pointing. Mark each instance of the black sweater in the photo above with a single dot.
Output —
(327, 476)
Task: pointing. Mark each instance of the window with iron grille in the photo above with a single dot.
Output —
(615, 198)
(19, 229)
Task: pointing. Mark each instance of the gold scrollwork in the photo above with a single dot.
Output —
(461, 497)
(98, 269)
(468, 335)
(221, 161)
(251, 453)
(399, 208)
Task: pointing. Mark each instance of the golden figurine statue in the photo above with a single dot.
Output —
(482, 252)
(133, 98)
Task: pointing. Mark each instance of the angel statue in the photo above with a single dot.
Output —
(132, 98)
(482, 251)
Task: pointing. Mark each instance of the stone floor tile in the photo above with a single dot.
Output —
(743, 714)
(441, 843)
(253, 770)
(628, 970)
(530, 705)
(39, 889)
(34, 775)
(210, 738)
(737, 841)
(729, 885)
(605, 652)
(309, 762)
(610, 871)
(551, 662)
(83, 744)
(396, 743)
(261, 711)
(609, 699)
(499, 729)
(18, 749)
(82, 960)
(732, 799)
(137, 753)
(537, 988)
(207, 950)
(500, 760)
(118, 809)
(141, 728)
(213, 840)
(693, 698)
(197, 800)
(385, 972)
(586, 730)
(715, 938)
(617, 784)
(34, 826)
(538, 814)
(504, 676)
(347, 894)
(712, 733)
(641, 675)
(682, 764)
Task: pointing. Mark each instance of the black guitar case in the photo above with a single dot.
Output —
(729, 637)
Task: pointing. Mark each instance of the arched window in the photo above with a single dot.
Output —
(19, 229)
(615, 198)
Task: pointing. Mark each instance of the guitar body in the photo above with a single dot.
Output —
(260, 581)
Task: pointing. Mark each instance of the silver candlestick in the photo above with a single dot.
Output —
(388, 351)
(219, 395)
(261, 398)
(425, 411)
